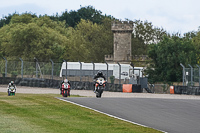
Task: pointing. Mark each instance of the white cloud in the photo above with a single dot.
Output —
(33, 8)
(173, 15)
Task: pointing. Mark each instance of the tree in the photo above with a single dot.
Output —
(73, 18)
(89, 42)
(144, 34)
(166, 58)
(23, 18)
(29, 37)
(91, 14)
(196, 41)
(6, 20)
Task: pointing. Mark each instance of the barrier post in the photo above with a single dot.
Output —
(36, 66)
(191, 74)
(107, 70)
(52, 68)
(5, 66)
(93, 69)
(22, 65)
(80, 70)
(119, 72)
(199, 74)
(183, 72)
(65, 68)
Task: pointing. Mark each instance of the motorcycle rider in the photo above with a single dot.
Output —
(11, 84)
(98, 75)
(65, 81)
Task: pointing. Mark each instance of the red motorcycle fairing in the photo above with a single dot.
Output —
(65, 87)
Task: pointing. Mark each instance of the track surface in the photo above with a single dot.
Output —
(170, 113)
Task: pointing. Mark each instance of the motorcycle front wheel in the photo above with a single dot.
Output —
(99, 93)
(65, 93)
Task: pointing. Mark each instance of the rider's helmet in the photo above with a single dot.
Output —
(100, 73)
(65, 81)
(12, 82)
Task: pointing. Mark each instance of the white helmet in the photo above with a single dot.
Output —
(65, 81)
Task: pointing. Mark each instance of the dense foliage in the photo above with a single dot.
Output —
(89, 42)
(167, 56)
(144, 34)
(28, 37)
(85, 35)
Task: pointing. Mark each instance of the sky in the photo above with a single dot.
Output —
(174, 16)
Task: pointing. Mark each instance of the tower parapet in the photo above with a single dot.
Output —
(122, 26)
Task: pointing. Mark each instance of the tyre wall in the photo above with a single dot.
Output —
(187, 90)
(37, 82)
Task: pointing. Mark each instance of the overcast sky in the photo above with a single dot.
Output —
(173, 15)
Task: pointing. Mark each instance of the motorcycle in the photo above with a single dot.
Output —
(11, 91)
(65, 90)
(100, 86)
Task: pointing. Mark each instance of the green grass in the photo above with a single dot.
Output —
(39, 113)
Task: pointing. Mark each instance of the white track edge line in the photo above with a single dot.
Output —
(109, 114)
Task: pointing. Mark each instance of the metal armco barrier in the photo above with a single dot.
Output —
(187, 90)
(76, 85)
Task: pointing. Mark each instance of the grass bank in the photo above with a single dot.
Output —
(39, 113)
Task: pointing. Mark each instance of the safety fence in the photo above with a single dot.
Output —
(48, 74)
(191, 75)
(52, 70)
(28, 69)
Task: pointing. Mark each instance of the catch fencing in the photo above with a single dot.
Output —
(47, 74)
(191, 81)
(28, 69)
(52, 70)
(191, 75)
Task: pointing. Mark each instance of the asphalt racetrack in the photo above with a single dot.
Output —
(166, 112)
(168, 115)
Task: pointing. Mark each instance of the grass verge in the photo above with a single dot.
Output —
(42, 113)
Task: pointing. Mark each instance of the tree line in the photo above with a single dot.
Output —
(85, 35)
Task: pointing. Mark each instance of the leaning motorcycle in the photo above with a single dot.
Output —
(11, 91)
(100, 86)
(65, 90)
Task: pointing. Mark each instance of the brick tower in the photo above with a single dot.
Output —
(122, 31)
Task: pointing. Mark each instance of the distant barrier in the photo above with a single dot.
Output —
(76, 85)
(86, 85)
(187, 90)
(132, 88)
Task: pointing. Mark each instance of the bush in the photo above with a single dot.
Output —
(14, 74)
(112, 79)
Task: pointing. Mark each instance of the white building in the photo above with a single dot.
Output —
(126, 69)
